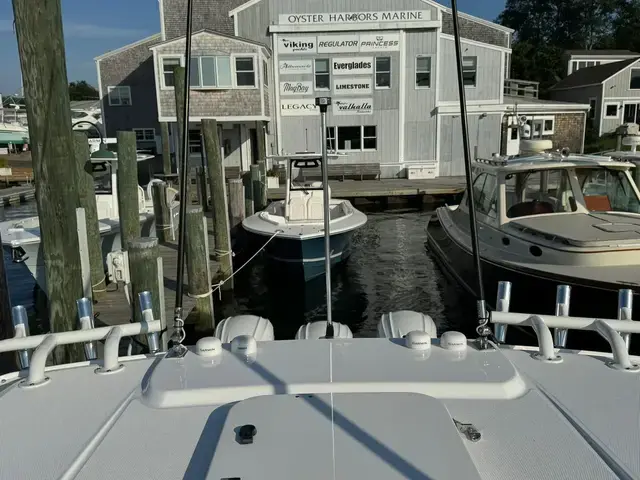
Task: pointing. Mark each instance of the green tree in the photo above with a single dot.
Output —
(81, 90)
(626, 25)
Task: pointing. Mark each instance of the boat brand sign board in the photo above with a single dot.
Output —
(299, 107)
(296, 88)
(352, 66)
(352, 85)
(411, 16)
(388, 42)
(297, 45)
(353, 106)
(339, 43)
(293, 67)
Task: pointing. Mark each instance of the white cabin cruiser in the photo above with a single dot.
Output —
(546, 220)
(21, 238)
(297, 223)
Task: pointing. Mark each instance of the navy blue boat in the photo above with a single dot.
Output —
(297, 225)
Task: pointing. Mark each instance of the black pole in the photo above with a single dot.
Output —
(178, 317)
(482, 315)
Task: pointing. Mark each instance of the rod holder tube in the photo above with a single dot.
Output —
(502, 305)
(563, 299)
(146, 308)
(625, 310)
(21, 330)
(85, 318)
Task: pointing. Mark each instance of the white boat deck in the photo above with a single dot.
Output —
(352, 408)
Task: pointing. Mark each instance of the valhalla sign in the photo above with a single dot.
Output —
(354, 106)
(296, 88)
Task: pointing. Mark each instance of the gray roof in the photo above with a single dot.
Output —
(593, 75)
(596, 53)
(212, 32)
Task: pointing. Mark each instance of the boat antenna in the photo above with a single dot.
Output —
(178, 319)
(323, 103)
(483, 319)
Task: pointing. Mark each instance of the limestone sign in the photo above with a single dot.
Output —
(297, 44)
(410, 16)
(352, 85)
(296, 88)
(293, 67)
(353, 106)
(352, 66)
(298, 107)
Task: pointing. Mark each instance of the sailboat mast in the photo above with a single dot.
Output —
(483, 330)
(178, 323)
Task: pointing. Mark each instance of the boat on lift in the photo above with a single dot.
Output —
(296, 223)
(21, 238)
(547, 219)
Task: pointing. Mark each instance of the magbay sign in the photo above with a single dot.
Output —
(354, 17)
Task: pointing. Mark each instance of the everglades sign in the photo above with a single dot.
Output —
(415, 16)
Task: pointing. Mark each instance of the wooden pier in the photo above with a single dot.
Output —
(17, 195)
(114, 309)
(387, 187)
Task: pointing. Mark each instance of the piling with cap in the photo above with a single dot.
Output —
(262, 164)
(166, 148)
(199, 268)
(247, 183)
(143, 267)
(87, 201)
(161, 211)
(128, 200)
(221, 234)
(256, 185)
(236, 201)
(38, 27)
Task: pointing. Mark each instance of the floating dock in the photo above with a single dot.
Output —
(17, 195)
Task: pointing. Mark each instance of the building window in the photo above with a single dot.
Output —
(541, 126)
(383, 72)
(469, 71)
(631, 113)
(611, 110)
(582, 65)
(210, 72)
(352, 138)
(119, 96)
(145, 134)
(574, 67)
(168, 64)
(322, 77)
(245, 72)
(635, 79)
(592, 109)
(547, 126)
(265, 73)
(195, 141)
(423, 72)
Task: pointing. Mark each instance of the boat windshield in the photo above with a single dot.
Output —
(102, 177)
(537, 192)
(607, 190)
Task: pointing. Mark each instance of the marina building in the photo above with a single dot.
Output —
(389, 66)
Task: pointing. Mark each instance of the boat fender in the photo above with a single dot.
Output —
(257, 327)
(398, 324)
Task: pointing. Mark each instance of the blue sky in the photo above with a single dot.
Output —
(93, 27)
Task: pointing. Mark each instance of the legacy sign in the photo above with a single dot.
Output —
(389, 42)
(293, 67)
(352, 85)
(355, 17)
(298, 107)
(297, 45)
(296, 88)
(353, 106)
(352, 66)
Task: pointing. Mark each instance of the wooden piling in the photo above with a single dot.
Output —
(201, 188)
(248, 194)
(128, 206)
(87, 201)
(198, 268)
(256, 186)
(178, 89)
(221, 235)
(263, 183)
(38, 27)
(262, 145)
(236, 202)
(143, 266)
(161, 211)
(166, 148)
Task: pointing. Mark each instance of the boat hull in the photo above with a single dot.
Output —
(306, 258)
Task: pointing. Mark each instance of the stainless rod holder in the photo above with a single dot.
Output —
(502, 305)
(146, 308)
(85, 319)
(625, 309)
(563, 298)
(21, 329)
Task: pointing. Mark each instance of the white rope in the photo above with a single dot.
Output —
(223, 253)
(222, 282)
(199, 295)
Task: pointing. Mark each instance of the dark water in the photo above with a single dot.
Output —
(389, 270)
